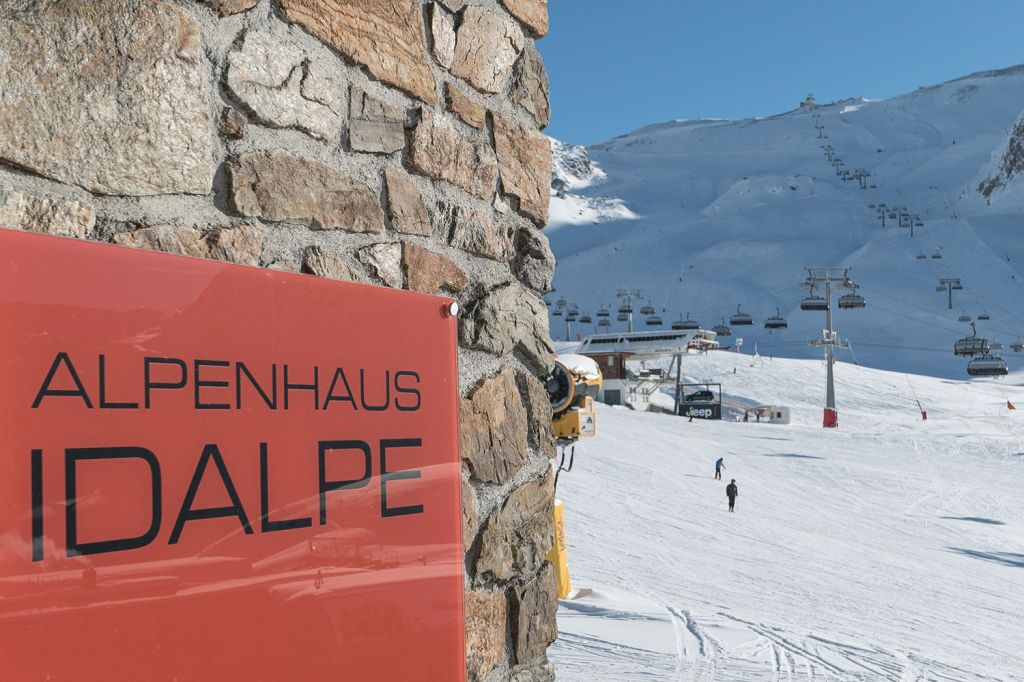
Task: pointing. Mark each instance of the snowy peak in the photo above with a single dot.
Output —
(571, 167)
(572, 170)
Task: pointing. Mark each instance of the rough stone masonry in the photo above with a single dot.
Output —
(392, 142)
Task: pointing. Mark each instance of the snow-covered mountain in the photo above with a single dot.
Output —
(703, 215)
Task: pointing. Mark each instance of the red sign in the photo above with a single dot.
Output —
(215, 472)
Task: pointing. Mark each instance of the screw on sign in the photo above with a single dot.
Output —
(220, 472)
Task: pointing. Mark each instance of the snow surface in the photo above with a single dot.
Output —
(889, 549)
(728, 212)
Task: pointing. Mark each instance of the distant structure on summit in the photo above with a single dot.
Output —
(808, 102)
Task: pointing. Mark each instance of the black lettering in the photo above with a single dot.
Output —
(399, 389)
(387, 392)
(387, 476)
(266, 525)
(45, 390)
(315, 387)
(187, 513)
(347, 397)
(71, 458)
(240, 368)
(37, 505)
(329, 486)
(150, 384)
(104, 405)
(197, 366)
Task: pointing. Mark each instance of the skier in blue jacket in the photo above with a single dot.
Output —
(719, 465)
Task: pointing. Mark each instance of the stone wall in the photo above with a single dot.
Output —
(393, 142)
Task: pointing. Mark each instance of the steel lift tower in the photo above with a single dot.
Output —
(825, 278)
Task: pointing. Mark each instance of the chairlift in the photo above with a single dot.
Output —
(604, 323)
(940, 288)
(814, 303)
(851, 301)
(722, 329)
(571, 316)
(937, 255)
(987, 366)
(1017, 347)
(547, 302)
(740, 318)
(971, 345)
(922, 256)
(557, 312)
(648, 310)
(892, 215)
(966, 319)
(585, 319)
(622, 317)
(603, 312)
(562, 303)
(625, 309)
(686, 324)
(958, 287)
(653, 321)
(776, 321)
(983, 316)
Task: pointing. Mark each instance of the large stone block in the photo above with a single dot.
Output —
(110, 95)
(240, 244)
(533, 615)
(524, 159)
(429, 272)
(481, 235)
(278, 186)
(374, 126)
(519, 534)
(535, 263)
(406, 207)
(442, 29)
(322, 263)
(485, 615)
(440, 151)
(52, 215)
(530, 87)
(486, 46)
(465, 108)
(286, 85)
(508, 318)
(532, 13)
(384, 260)
(385, 36)
(538, 410)
(470, 511)
(182, 241)
(493, 429)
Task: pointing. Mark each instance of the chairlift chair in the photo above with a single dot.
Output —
(922, 256)
(776, 321)
(740, 319)
(557, 312)
(562, 303)
(622, 317)
(653, 321)
(571, 316)
(585, 319)
(603, 312)
(604, 322)
(1017, 347)
(983, 316)
(625, 309)
(722, 329)
(814, 303)
(966, 319)
(937, 255)
(648, 310)
(687, 324)
(850, 301)
(987, 366)
(971, 345)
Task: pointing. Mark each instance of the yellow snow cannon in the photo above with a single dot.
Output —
(572, 385)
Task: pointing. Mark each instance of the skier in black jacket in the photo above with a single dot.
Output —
(731, 492)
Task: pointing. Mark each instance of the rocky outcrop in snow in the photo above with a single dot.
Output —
(1011, 164)
(571, 170)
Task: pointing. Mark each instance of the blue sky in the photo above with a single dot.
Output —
(616, 65)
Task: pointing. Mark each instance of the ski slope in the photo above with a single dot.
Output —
(704, 215)
(889, 549)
